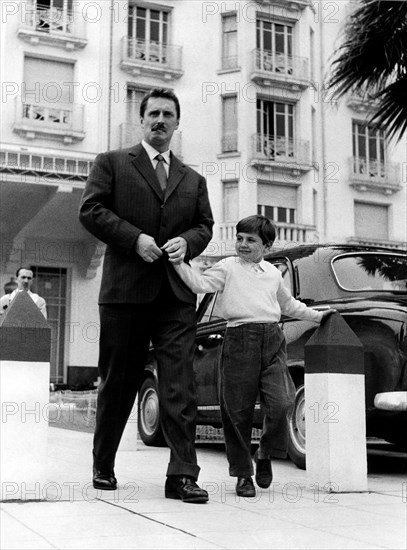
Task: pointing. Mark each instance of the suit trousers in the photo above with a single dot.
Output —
(254, 361)
(126, 332)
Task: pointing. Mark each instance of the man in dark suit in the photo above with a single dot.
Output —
(148, 211)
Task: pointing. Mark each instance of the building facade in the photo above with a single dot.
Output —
(256, 121)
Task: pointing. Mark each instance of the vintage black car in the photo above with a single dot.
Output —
(367, 286)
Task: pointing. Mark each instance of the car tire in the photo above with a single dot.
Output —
(148, 420)
(296, 427)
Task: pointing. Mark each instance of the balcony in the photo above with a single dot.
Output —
(286, 233)
(375, 176)
(292, 5)
(59, 27)
(131, 134)
(270, 68)
(362, 101)
(46, 167)
(281, 152)
(140, 57)
(54, 121)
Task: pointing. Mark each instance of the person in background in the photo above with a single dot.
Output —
(253, 358)
(24, 281)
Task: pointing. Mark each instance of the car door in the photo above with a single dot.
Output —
(209, 339)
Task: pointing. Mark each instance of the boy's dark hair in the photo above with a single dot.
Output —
(261, 225)
(160, 92)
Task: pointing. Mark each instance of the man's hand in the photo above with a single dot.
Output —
(147, 248)
(176, 249)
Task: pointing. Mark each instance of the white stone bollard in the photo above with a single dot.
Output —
(25, 340)
(335, 417)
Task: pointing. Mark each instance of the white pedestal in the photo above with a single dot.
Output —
(335, 431)
(24, 398)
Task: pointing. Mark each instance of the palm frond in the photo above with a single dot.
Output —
(373, 56)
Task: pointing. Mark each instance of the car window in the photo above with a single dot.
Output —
(206, 315)
(364, 272)
(217, 308)
(283, 266)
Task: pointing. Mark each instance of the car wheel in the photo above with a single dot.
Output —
(148, 420)
(296, 424)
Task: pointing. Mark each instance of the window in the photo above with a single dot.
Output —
(368, 150)
(54, 15)
(45, 99)
(148, 34)
(371, 221)
(275, 129)
(230, 202)
(134, 97)
(229, 46)
(229, 120)
(274, 43)
(277, 202)
(277, 213)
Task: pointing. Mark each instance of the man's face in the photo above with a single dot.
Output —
(25, 279)
(159, 122)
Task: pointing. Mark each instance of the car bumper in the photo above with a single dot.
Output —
(391, 401)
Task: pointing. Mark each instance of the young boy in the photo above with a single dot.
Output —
(253, 359)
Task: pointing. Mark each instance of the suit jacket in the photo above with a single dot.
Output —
(122, 199)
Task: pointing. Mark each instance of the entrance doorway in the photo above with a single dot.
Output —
(51, 284)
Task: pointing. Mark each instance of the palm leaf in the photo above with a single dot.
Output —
(373, 56)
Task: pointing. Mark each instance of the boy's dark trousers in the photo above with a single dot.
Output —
(254, 360)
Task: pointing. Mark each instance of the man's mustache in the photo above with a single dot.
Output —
(159, 126)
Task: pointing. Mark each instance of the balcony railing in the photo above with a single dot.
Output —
(281, 150)
(53, 120)
(374, 175)
(150, 57)
(362, 101)
(278, 67)
(131, 134)
(52, 25)
(286, 232)
(44, 165)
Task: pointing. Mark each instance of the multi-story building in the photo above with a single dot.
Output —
(255, 120)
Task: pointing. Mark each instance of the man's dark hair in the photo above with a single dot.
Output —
(260, 225)
(160, 92)
(22, 267)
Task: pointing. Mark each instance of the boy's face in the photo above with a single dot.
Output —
(250, 247)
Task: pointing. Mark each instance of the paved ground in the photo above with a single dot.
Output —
(291, 514)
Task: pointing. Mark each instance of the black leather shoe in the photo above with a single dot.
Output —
(185, 488)
(245, 487)
(105, 481)
(264, 473)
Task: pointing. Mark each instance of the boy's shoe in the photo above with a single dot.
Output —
(264, 473)
(245, 487)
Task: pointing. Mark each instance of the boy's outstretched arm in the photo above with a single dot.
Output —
(211, 280)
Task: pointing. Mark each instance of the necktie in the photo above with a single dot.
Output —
(160, 171)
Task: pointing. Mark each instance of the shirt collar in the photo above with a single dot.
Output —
(260, 266)
(152, 153)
